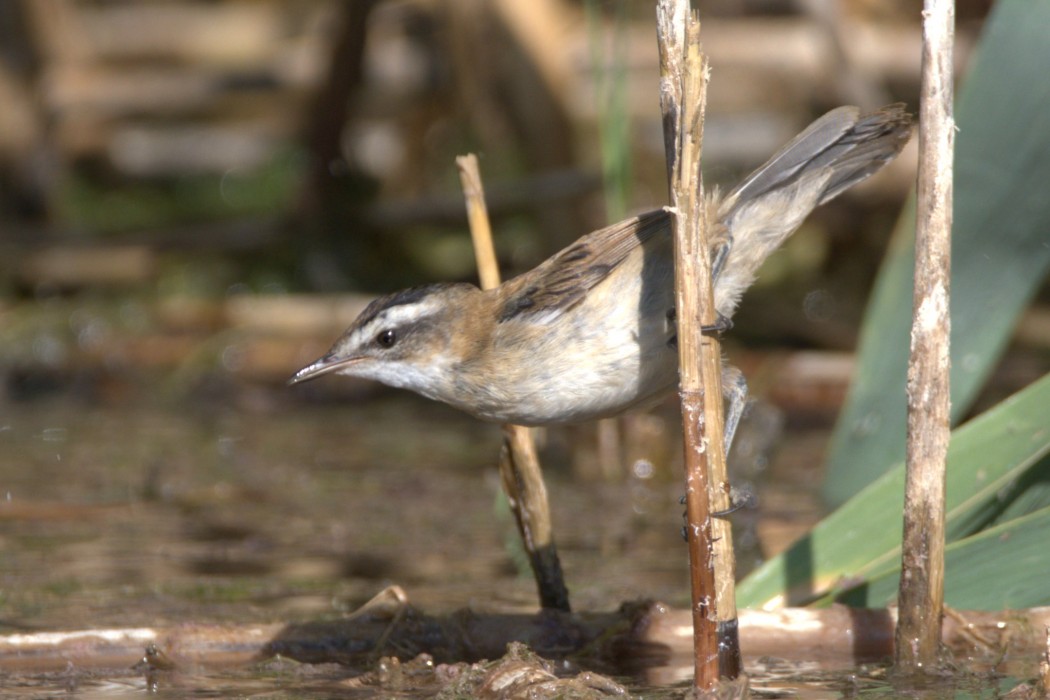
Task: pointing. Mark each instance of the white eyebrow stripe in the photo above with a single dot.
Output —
(398, 316)
(406, 313)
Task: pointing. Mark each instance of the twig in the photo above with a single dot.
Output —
(519, 465)
(683, 84)
(921, 594)
(1044, 665)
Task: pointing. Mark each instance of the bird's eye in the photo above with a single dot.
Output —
(386, 338)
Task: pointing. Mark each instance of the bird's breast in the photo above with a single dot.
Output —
(598, 359)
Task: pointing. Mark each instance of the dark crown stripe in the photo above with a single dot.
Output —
(405, 296)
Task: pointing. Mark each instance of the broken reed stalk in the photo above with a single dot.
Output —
(1044, 666)
(649, 636)
(519, 465)
(921, 595)
(683, 86)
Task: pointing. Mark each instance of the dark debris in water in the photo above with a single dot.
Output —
(519, 673)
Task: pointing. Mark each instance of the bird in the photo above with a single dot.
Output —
(590, 332)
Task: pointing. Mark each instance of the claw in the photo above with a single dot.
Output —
(738, 499)
(721, 325)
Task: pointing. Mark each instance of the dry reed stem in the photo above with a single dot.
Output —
(921, 595)
(651, 636)
(519, 465)
(683, 85)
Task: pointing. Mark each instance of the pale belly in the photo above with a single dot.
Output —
(589, 363)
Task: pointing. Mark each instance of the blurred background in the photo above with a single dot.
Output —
(197, 196)
(208, 187)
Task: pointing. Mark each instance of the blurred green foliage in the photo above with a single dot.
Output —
(1000, 249)
(998, 475)
(853, 555)
(89, 202)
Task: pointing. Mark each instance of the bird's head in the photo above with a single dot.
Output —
(412, 339)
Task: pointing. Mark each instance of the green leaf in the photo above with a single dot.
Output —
(1013, 555)
(1026, 494)
(987, 458)
(1001, 247)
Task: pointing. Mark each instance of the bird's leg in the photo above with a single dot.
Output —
(738, 500)
(720, 326)
(721, 254)
(734, 390)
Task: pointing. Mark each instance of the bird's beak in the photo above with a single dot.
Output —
(326, 365)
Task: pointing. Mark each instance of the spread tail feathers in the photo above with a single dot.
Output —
(834, 153)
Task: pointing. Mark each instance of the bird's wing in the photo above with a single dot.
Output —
(563, 280)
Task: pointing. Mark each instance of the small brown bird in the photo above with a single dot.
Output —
(590, 332)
